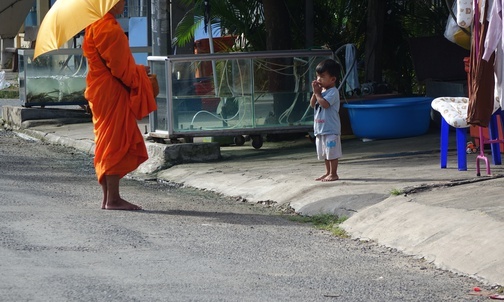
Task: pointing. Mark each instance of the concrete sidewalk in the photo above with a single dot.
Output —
(449, 217)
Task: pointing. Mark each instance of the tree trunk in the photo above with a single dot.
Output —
(374, 40)
(277, 25)
(309, 24)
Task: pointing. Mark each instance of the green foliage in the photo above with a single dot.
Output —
(9, 94)
(396, 192)
(184, 32)
(326, 222)
(337, 22)
(346, 22)
(403, 22)
(243, 17)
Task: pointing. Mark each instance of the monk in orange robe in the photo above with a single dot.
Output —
(119, 93)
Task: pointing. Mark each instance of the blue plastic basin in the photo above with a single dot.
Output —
(390, 118)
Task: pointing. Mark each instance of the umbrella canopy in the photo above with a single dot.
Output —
(65, 19)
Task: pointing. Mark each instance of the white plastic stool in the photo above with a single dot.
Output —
(453, 112)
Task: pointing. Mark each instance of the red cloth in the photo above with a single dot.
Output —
(481, 77)
(119, 92)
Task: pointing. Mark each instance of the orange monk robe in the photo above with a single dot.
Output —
(119, 92)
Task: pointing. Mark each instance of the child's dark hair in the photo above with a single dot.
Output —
(329, 65)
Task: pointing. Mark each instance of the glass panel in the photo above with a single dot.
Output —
(158, 119)
(197, 105)
(283, 90)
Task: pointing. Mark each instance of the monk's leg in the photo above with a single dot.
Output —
(114, 200)
(104, 189)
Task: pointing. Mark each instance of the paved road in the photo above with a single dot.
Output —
(188, 245)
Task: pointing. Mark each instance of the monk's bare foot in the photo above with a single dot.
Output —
(321, 177)
(103, 205)
(330, 178)
(122, 204)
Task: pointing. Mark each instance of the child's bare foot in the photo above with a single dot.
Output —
(321, 177)
(122, 204)
(330, 178)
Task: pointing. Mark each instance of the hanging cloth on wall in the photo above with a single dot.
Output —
(481, 73)
(352, 82)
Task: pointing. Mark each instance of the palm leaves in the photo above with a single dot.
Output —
(239, 18)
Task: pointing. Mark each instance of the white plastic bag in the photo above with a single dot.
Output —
(3, 82)
(455, 33)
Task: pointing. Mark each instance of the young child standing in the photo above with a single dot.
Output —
(327, 125)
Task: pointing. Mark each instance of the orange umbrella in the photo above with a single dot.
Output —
(65, 19)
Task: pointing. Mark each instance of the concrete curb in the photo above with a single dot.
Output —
(86, 146)
(452, 239)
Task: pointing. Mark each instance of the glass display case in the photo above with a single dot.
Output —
(234, 94)
(55, 78)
